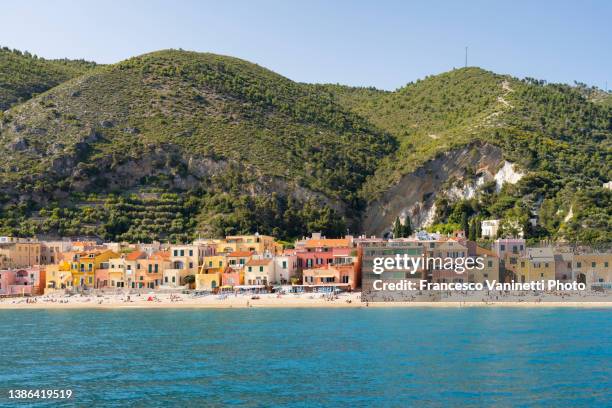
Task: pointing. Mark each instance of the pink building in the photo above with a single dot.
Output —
(344, 276)
(509, 246)
(232, 276)
(27, 281)
(316, 251)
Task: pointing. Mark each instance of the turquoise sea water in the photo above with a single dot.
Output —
(311, 357)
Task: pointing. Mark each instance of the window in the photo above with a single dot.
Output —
(569, 265)
(165, 279)
(522, 264)
(250, 269)
(490, 264)
(345, 279)
(173, 279)
(190, 265)
(578, 264)
(141, 277)
(546, 264)
(175, 252)
(541, 275)
(182, 252)
(191, 252)
(150, 268)
(285, 265)
(593, 264)
(210, 264)
(502, 247)
(156, 268)
(486, 275)
(261, 269)
(606, 264)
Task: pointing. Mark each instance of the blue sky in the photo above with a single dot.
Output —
(367, 43)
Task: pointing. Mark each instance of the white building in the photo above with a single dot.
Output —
(285, 268)
(489, 228)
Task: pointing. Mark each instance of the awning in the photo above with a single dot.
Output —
(249, 286)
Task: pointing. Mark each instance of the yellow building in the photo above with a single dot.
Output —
(85, 264)
(209, 274)
(58, 276)
(537, 264)
(490, 271)
(208, 281)
(214, 263)
(593, 269)
(251, 243)
(20, 254)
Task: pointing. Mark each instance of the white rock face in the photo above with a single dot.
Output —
(569, 215)
(507, 174)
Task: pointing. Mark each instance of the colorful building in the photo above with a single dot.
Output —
(593, 269)
(22, 281)
(58, 276)
(537, 264)
(232, 277)
(249, 243)
(84, 265)
(259, 272)
(20, 254)
(344, 277)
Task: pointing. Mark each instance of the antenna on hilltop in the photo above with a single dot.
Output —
(466, 50)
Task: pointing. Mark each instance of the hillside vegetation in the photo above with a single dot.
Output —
(174, 143)
(23, 75)
(200, 119)
(555, 132)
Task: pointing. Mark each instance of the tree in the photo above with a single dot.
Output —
(478, 228)
(472, 234)
(407, 230)
(397, 228)
(464, 223)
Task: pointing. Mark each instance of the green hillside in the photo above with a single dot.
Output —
(173, 143)
(219, 130)
(555, 132)
(23, 75)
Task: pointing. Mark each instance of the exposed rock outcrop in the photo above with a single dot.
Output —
(415, 194)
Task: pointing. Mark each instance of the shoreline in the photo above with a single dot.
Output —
(268, 302)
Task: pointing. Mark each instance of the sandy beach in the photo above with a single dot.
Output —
(346, 300)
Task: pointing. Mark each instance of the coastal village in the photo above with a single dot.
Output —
(255, 264)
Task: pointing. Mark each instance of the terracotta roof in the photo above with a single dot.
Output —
(132, 256)
(325, 242)
(240, 253)
(162, 255)
(258, 262)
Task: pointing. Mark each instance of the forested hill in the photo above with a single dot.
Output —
(245, 147)
(559, 134)
(23, 75)
(174, 143)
